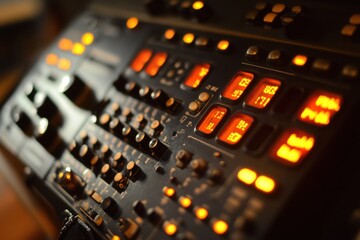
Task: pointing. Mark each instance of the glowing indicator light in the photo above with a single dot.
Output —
(299, 60)
(264, 91)
(223, 45)
(237, 86)
(169, 192)
(78, 49)
(185, 202)
(115, 237)
(197, 5)
(188, 38)
(64, 64)
(320, 108)
(211, 120)
(169, 34)
(157, 61)
(141, 59)
(52, 59)
(293, 146)
(132, 23)
(65, 44)
(197, 75)
(235, 129)
(169, 228)
(247, 176)
(220, 227)
(201, 213)
(265, 184)
(87, 38)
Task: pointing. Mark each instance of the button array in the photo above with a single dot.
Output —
(351, 30)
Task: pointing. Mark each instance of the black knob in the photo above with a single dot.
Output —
(157, 148)
(129, 133)
(157, 127)
(140, 121)
(120, 182)
(143, 140)
(172, 105)
(70, 181)
(110, 206)
(145, 92)
(133, 171)
(23, 121)
(107, 173)
(159, 97)
(105, 152)
(116, 127)
(132, 88)
(183, 157)
(88, 156)
(199, 166)
(139, 208)
(215, 175)
(104, 121)
(49, 138)
(118, 161)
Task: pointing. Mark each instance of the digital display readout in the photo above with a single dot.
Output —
(197, 75)
(262, 94)
(293, 146)
(156, 62)
(237, 86)
(211, 120)
(141, 59)
(320, 108)
(233, 132)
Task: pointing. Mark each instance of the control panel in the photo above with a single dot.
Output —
(193, 119)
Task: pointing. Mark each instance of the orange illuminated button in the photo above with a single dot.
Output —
(197, 75)
(141, 59)
(237, 86)
(157, 61)
(293, 146)
(262, 94)
(320, 108)
(211, 120)
(235, 129)
(51, 59)
(65, 44)
(64, 64)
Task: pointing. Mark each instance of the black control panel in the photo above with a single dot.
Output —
(195, 120)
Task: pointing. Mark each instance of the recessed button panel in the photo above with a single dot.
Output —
(234, 131)
(237, 86)
(320, 108)
(197, 75)
(262, 94)
(211, 120)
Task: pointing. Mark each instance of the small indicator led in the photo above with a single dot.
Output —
(141, 59)
(169, 192)
(237, 86)
(169, 228)
(115, 237)
(197, 75)
(320, 108)
(299, 60)
(87, 38)
(169, 34)
(292, 147)
(262, 94)
(52, 59)
(157, 61)
(235, 129)
(197, 5)
(185, 202)
(64, 64)
(132, 23)
(188, 38)
(65, 44)
(223, 45)
(220, 227)
(201, 213)
(247, 176)
(265, 184)
(211, 120)
(78, 49)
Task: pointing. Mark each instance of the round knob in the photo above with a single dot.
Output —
(199, 166)
(157, 148)
(143, 140)
(110, 206)
(70, 181)
(116, 127)
(129, 133)
(107, 173)
(118, 161)
(133, 171)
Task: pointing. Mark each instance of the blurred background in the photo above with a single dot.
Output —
(27, 27)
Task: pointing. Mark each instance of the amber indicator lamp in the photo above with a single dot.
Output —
(211, 120)
(320, 108)
(157, 61)
(292, 147)
(141, 59)
(233, 132)
(237, 86)
(197, 75)
(262, 94)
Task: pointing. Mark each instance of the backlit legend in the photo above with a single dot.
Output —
(262, 94)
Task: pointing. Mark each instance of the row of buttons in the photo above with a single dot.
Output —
(301, 62)
(351, 30)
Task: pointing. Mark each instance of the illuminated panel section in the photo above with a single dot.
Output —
(87, 38)
(237, 86)
(292, 147)
(197, 75)
(64, 64)
(78, 49)
(265, 184)
(211, 120)
(320, 108)
(51, 59)
(262, 94)
(246, 176)
(65, 44)
(157, 61)
(235, 129)
(141, 59)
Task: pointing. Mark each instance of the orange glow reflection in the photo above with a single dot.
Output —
(320, 108)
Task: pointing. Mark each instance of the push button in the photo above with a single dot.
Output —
(253, 53)
(263, 93)
(237, 86)
(350, 72)
(275, 57)
(211, 120)
(321, 66)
